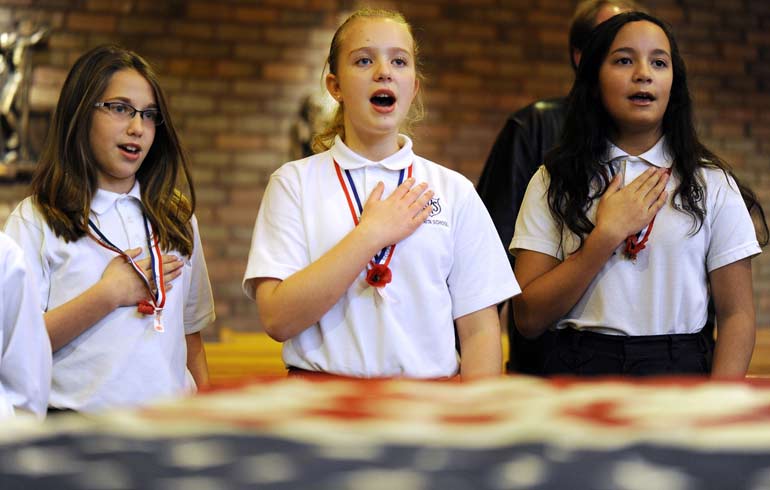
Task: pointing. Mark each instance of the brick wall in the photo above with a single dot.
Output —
(237, 71)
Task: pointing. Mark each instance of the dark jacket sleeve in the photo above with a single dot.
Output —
(517, 153)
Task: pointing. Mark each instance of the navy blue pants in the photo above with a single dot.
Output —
(588, 353)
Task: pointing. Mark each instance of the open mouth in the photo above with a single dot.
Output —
(383, 99)
(642, 97)
(133, 149)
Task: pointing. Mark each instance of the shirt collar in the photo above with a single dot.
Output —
(104, 200)
(349, 160)
(658, 155)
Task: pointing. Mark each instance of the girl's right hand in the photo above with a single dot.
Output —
(625, 211)
(128, 288)
(392, 219)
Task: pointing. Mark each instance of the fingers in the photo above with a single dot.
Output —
(648, 180)
(421, 205)
(659, 186)
(171, 263)
(170, 275)
(643, 179)
(376, 194)
(614, 185)
(402, 189)
(659, 203)
(133, 252)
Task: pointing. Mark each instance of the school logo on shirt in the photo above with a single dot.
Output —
(681, 205)
(435, 209)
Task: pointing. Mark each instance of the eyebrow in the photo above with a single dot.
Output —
(126, 100)
(390, 50)
(658, 51)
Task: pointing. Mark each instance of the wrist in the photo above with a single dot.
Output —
(367, 238)
(601, 243)
(107, 294)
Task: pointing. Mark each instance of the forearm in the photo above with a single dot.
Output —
(732, 292)
(550, 296)
(69, 320)
(196, 360)
(480, 344)
(287, 308)
(735, 344)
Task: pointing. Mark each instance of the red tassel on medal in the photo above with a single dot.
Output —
(379, 275)
(145, 307)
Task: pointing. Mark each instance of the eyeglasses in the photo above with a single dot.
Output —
(124, 111)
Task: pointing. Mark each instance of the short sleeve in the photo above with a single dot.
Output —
(481, 275)
(732, 232)
(28, 229)
(25, 355)
(279, 244)
(536, 229)
(199, 303)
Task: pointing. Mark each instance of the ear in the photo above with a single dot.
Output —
(333, 87)
(416, 86)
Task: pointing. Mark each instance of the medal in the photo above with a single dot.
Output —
(378, 274)
(154, 306)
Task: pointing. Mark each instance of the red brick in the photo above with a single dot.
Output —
(234, 69)
(91, 22)
(209, 11)
(135, 25)
(192, 103)
(116, 6)
(195, 30)
(237, 32)
(233, 141)
(255, 15)
(285, 72)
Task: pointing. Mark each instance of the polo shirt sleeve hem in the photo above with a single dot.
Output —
(535, 245)
(251, 276)
(199, 324)
(734, 255)
(466, 306)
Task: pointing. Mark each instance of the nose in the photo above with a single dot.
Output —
(383, 72)
(136, 125)
(642, 73)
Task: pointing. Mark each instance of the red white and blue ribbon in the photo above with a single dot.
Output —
(378, 273)
(636, 243)
(158, 297)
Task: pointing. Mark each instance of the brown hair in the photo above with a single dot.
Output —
(65, 178)
(324, 139)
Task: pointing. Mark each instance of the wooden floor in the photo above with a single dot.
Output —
(239, 355)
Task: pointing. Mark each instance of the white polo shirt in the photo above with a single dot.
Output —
(121, 360)
(451, 266)
(25, 351)
(665, 290)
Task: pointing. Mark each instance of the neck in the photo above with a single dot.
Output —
(372, 147)
(116, 186)
(636, 143)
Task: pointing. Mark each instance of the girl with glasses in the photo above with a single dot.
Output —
(110, 233)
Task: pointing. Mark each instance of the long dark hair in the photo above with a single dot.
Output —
(65, 178)
(580, 157)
